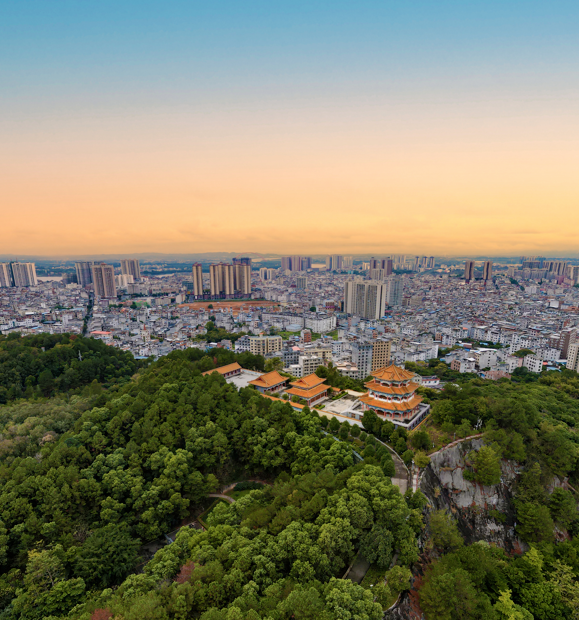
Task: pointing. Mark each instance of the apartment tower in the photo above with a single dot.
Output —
(197, 272)
(103, 279)
(131, 267)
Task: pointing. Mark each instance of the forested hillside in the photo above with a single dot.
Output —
(76, 508)
(91, 473)
(46, 364)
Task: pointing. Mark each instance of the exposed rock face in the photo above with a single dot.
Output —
(444, 485)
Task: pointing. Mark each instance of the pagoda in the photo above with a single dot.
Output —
(392, 396)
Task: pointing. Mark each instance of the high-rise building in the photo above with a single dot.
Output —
(244, 260)
(362, 358)
(242, 279)
(488, 270)
(469, 270)
(84, 272)
(5, 275)
(387, 265)
(230, 280)
(302, 283)
(103, 279)
(131, 267)
(197, 272)
(221, 279)
(286, 263)
(123, 280)
(306, 263)
(348, 262)
(333, 262)
(431, 264)
(365, 298)
(381, 351)
(296, 263)
(573, 357)
(394, 291)
(23, 274)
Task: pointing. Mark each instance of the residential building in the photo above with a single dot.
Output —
(5, 275)
(362, 358)
(265, 345)
(394, 291)
(333, 262)
(381, 350)
(469, 270)
(302, 283)
(24, 274)
(84, 272)
(197, 272)
(131, 267)
(573, 357)
(365, 298)
(488, 270)
(103, 279)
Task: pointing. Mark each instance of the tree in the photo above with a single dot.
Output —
(370, 420)
(448, 596)
(534, 523)
(344, 431)
(563, 507)
(399, 578)
(46, 382)
(334, 424)
(421, 459)
(505, 609)
(444, 531)
(420, 440)
(355, 430)
(376, 545)
(274, 363)
(312, 308)
(487, 466)
(106, 557)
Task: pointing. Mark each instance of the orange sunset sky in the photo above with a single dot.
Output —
(358, 134)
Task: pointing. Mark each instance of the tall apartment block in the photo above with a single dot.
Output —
(23, 274)
(84, 272)
(488, 270)
(302, 283)
(197, 272)
(131, 267)
(362, 358)
(5, 275)
(230, 281)
(365, 298)
(333, 262)
(103, 279)
(393, 291)
(469, 270)
(381, 351)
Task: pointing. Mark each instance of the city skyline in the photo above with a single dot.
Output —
(446, 127)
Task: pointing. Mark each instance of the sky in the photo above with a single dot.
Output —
(443, 128)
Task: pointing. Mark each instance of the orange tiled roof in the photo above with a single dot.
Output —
(391, 389)
(268, 380)
(318, 389)
(224, 369)
(308, 382)
(393, 373)
(391, 406)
